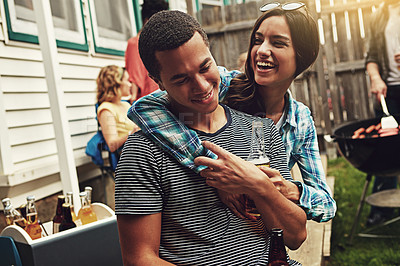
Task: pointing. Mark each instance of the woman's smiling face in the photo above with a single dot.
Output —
(273, 57)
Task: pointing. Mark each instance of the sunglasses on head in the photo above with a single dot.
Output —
(286, 7)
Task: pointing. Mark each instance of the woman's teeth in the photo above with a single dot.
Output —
(265, 65)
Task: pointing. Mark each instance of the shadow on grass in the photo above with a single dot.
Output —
(349, 183)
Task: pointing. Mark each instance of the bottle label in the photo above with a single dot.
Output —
(56, 227)
(78, 222)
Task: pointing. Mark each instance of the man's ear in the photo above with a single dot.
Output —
(159, 83)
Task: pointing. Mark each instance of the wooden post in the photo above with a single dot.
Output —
(48, 46)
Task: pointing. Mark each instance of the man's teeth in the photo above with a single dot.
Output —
(205, 98)
(265, 64)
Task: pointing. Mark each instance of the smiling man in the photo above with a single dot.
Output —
(168, 214)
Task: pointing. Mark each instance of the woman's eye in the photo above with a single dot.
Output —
(257, 41)
(280, 44)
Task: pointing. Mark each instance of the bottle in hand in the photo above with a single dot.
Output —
(67, 222)
(33, 227)
(59, 214)
(86, 214)
(258, 157)
(277, 251)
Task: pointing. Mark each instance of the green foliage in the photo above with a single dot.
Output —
(349, 183)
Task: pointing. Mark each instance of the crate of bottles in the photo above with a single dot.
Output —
(96, 243)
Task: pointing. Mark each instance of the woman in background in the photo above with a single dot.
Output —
(113, 84)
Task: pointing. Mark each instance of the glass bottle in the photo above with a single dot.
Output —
(32, 228)
(88, 191)
(277, 251)
(70, 201)
(257, 149)
(22, 209)
(57, 219)
(66, 222)
(258, 157)
(13, 216)
(86, 214)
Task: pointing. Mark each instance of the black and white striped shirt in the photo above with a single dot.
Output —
(197, 228)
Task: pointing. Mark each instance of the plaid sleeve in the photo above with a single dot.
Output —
(151, 114)
(316, 198)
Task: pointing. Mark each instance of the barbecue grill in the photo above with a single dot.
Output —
(374, 156)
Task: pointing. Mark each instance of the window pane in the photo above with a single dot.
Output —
(67, 20)
(64, 14)
(113, 19)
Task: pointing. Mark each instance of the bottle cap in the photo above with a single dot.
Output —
(82, 194)
(30, 197)
(6, 202)
(65, 205)
(61, 196)
(88, 188)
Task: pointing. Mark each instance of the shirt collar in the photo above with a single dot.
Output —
(289, 110)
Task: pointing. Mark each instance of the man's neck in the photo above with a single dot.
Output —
(208, 123)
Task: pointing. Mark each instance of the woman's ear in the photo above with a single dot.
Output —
(159, 83)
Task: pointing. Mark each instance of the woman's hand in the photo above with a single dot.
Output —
(235, 202)
(285, 187)
(231, 173)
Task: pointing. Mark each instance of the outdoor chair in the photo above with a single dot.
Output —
(8, 252)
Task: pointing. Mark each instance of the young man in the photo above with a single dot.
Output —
(168, 214)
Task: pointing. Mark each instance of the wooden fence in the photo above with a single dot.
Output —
(336, 87)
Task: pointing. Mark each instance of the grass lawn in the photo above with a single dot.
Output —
(349, 183)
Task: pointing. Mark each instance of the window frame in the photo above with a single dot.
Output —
(33, 37)
(97, 40)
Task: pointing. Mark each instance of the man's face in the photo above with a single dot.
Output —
(190, 76)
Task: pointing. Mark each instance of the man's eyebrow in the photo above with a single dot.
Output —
(179, 76)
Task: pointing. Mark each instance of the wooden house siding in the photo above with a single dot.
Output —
(28, 146)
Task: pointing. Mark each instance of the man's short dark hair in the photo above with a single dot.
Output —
(150, 7)
(166, 30)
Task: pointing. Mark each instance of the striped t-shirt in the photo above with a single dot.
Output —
(197, 228)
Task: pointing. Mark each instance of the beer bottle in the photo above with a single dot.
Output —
(88, 191)
(86, 214)
(59, 214)
(70, 201)
(6, 203)
(277, 251)
(32, 228)
(66, 222)
(22, 209)
(13, 216)
(258, 157)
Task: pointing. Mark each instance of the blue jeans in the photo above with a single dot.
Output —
(387, 182)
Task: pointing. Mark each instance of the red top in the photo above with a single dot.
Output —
(137, 71)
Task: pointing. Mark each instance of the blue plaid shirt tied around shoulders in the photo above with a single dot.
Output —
(298, 133)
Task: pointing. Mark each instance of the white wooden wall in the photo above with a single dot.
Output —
(28, 149)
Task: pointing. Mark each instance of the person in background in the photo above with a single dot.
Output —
(383, 68)
(113, 84)
(142, 84)
(284, 43)
(241, 61)
(168, 214)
